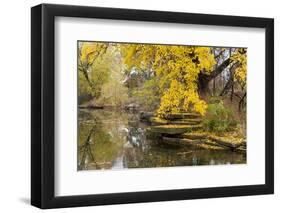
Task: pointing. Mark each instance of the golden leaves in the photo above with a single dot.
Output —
(90, 51)
(240, 57)
(177, 69)
(170, 101)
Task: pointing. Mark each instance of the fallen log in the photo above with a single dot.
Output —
(182, 115)
(179, 141)
(145, 116)
(224, 141)
(174, 129)
(160, 121)
(194, 135)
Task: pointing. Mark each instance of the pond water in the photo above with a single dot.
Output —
(112, 139)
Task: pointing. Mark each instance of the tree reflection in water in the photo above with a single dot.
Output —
(86, 152)
(117, 140)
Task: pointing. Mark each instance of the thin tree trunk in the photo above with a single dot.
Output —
(85, 73)
(230, 82)
(242, 101)
(232, 91)
(214, 86)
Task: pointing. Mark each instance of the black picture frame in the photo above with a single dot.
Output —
(43, 102)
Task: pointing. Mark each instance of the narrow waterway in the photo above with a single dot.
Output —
(115, 139)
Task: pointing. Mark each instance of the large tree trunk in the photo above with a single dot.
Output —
(203, 85)
(204, 79)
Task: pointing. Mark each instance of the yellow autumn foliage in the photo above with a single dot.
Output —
(91, 50)
(177, 69)
(240, 57)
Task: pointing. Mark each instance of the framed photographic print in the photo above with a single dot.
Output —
(139, 106)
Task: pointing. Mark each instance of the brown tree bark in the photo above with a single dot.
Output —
(204, 79)
(242, 101)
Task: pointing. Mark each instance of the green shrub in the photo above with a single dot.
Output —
(218, 118)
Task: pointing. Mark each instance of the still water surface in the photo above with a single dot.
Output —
(110, 139)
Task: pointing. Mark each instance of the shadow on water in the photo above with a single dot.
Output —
(117, 140)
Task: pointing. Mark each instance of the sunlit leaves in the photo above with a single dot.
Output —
(177, 69)
(90, 51)
(94, 63)
(240, 57)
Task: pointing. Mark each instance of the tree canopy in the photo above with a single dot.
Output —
(178, 75)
